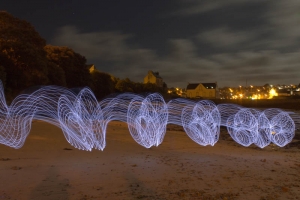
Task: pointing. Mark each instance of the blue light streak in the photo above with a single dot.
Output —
(84, 120)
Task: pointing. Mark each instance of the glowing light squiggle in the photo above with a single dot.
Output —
(84, 120)
(200, 120)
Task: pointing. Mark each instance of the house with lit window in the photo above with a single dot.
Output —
(202, 90)
(154, 77)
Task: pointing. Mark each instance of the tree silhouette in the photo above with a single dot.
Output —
(2, 75)
(102, 84)
(23, 56)
(73, 65)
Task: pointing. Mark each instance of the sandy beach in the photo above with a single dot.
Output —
(48, 167)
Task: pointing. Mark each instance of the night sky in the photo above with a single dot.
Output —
(232, 42)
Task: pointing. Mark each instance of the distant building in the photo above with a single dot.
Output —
(284, 92)
(154, 77)
(202, 90)
(296, 92)
(91, 68)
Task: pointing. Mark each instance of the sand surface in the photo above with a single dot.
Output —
(48, 167)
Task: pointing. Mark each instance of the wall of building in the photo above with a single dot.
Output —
(150, 78)
(193, 93)
(207, 93)
(201, 92)
(159, 82)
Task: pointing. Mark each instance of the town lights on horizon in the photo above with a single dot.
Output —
(272, 93)
(84, 120)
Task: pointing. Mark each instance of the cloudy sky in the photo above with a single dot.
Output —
(232, 42)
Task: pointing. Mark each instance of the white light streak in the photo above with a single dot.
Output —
(84, 120)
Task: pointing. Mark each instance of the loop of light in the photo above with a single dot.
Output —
(84, 120)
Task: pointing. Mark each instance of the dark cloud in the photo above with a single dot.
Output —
(103, 45)
(198, 7)
(223, 37)
(182, 64)
(263, 49)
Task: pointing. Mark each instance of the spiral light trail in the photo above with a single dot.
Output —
(84, 120)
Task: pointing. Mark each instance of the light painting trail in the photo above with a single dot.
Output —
(84, 120)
